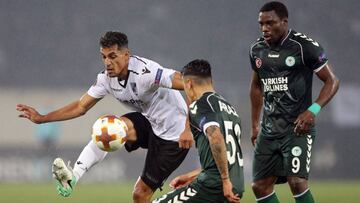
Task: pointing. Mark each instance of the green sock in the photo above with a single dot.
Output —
(272, 198)
(306, 197)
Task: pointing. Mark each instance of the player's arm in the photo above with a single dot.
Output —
(186, 138)
(331, 84)
(184, 180)
(330, 87)
(218, 149)
(72, 110)
(256, 98)
(177, 82)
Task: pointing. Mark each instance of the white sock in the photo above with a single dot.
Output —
(90, 156)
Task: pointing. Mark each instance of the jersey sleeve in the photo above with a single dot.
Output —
(314, 55)
(252, 61)
(157, 76)
(98, 89)
(204, 115)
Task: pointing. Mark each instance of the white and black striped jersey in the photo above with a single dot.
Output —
(147, 90)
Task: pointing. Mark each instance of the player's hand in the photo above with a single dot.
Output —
(304, 122)
(255, 132)
(186, 139)
(228, 193)
(180, 181)
(29, 113)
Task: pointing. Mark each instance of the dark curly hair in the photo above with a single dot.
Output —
(111, 38)
(279, 8)
(198, 67)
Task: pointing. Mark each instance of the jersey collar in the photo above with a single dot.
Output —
(286, 37)
(123, 82)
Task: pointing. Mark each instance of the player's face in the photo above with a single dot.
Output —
(116, 60)
(272, 27)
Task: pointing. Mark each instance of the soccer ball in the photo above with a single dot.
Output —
(108, 133)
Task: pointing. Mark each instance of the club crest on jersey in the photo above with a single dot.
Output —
(296, 151)
(258, 62)
(290, 61)
(133, 87)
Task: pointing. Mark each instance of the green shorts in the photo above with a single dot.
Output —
(282, 157)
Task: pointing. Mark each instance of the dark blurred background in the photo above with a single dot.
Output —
(49, 56)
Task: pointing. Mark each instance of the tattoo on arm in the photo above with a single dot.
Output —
(218, 149)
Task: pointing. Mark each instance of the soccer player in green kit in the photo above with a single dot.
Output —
(216, 129)
(283, 61)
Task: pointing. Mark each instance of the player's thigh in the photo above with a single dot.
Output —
(297, 155)
(267, 159)
(190, 195)
(162, 158)
(131, 132)
(139, 129)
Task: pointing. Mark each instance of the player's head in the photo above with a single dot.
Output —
(115, 53)
(273, 20)
(196, 75)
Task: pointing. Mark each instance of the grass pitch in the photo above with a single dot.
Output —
(324, 192)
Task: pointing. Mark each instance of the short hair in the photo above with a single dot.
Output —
(112, 38)
(279, 8)
(198, 67)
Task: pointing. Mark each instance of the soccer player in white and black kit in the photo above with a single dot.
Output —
(158, 122)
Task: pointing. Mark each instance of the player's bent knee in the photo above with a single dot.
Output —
(131, 132)
(142, 193)
(260, 188)
(297, 185)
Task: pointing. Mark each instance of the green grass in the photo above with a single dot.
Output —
(324, 192)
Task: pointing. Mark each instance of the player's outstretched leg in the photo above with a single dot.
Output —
(64, 177)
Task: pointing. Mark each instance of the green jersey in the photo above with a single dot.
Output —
(212, 109)
(286, 73)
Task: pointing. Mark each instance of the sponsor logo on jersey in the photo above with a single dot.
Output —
(273, 54)
(116, 90)
(296, 151)
(290, 61)
(158, 76)
(258, 62)
(275, 84)
(133, 102)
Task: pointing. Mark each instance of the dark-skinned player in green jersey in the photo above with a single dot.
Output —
(284, 61)
(216, 129)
